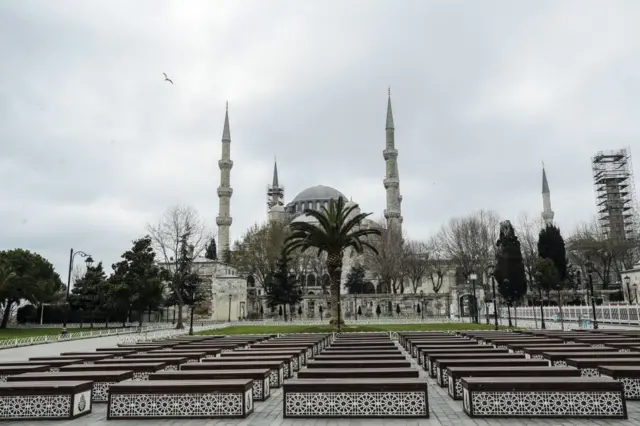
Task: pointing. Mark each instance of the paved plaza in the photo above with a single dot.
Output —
(443, 410)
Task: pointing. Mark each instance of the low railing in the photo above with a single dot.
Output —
(147, 336)
(621, 315)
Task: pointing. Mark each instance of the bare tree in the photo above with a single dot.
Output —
(438, 264)
(416, 262)
(469, 241)
(178, 225)
(257, 251)
(389, 264)
(527, 232)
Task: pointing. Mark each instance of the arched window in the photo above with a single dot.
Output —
(251, 282)
(301, 280)
(311, 280)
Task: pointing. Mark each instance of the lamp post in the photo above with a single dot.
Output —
(589, 266)
(635, 293)
(89, 262)
(422, 301)
(230, 296)
(474, 312)
(495, 300)
(627, 280)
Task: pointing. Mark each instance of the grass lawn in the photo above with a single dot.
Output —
(268, 329)
(16, 333)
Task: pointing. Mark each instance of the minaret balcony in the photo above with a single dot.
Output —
(225, 164)
(391, 183)
(224, 221)
(391, 214)
(390, 154)
(224, 191)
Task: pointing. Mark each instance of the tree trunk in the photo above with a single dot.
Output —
(284, 312)
(542, 325)
(140, 315)
(560, 310)
(6, 314)
(179, 323)
(149, 315)
(509, 314)
(334, 267)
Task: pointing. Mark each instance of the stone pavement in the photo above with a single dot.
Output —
(443, 410)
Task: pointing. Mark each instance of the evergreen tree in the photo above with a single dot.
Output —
(378, 311)
(510, 271)
(281, 288)
(551, 246)
(211, 251)
(398, 309)
(355, 283)
(89, 292)
(359, 310)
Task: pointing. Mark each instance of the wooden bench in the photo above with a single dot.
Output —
(376, 397)
(299, 356)
(288, 360)
(7, 371)
(480, 350)
(444, 363)
(116, 350)
(558, 359)
(140, 371)
(573, 397)
(353, 351)
(413, 348)
(456, 374)
(359, 364)
(108, 354)
(102, 380)
(629, 375)
(191, 357)
(165, 399)
(87, 359)
(209, 352)
(44, 400)
(519, 348)
(171, 363)
(54, 364)
(308, 350)
(432, 357)
(260, 377)
(276, 377)
(357, 373)
(365, 357)
(589, 367)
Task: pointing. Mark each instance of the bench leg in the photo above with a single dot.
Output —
(141, 376)
(589, 372)
(545, 404)
(101, 391)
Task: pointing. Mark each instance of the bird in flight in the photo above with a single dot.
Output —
(167, 78)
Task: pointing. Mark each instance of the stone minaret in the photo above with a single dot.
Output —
(547, 213)
(393, 212)
(275, 193)
(225, 192)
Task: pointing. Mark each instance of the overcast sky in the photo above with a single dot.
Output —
(94, 144)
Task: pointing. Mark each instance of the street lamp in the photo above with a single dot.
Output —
(495, 301)
(627, 280)
(473, 278)
(422, 299)
(89, 261)
(589, 266)
(230, 296)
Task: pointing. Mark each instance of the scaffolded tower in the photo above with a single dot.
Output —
(615, 194)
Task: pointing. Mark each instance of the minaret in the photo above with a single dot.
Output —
(393, 212)
(547, 213)
(225, 192)
(275, 193)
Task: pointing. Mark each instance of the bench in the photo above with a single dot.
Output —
(123, 351)
(44, 400)
(413, 348)
(87, 359)
(558, 359)
(348, 398)
(260, 377)
(423, 359)
(7, 371)
(209, 352)
(353, 351)
(140, 371)
(298, 356)
(432, 357)
(165, 399)
(589, 366)
(108, 354)
(365, 357)
(307, 350)
(519, 348)
(574, 397)
(102, 380)
(171, 363)
(455, 374)
(288, 360)
(357, 373)
(54, 364)
(359, 364)
(442, 364)
(191, 357)
(276, 377)
(629, 375)
(536, 352)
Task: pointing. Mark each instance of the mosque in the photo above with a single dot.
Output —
(235, 296)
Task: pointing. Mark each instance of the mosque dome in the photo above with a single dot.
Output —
(314, 198)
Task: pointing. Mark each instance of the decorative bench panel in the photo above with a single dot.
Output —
(44, 400)
(628, 375)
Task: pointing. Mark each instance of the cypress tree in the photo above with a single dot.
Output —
(509, 271)
(551, 246)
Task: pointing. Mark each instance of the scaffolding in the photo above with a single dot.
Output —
(615, 194)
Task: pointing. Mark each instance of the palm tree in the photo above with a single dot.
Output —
(336, 230)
